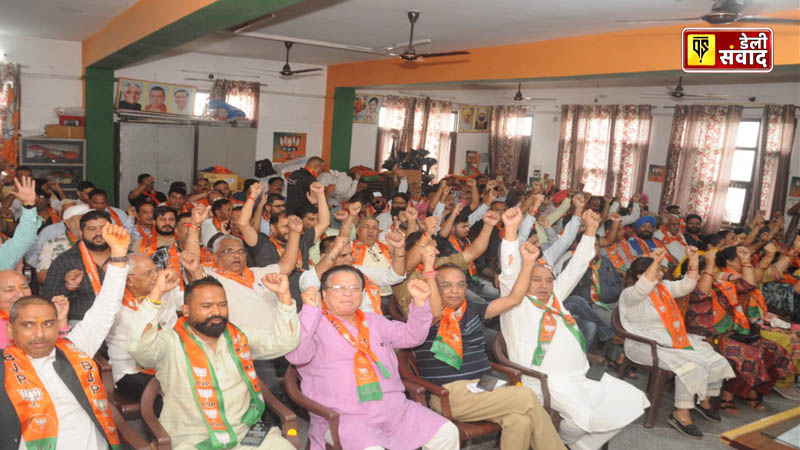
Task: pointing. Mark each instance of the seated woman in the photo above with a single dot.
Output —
(781, 290)
(716, 307)
(647, 308)
(735, 264)
(347, 361)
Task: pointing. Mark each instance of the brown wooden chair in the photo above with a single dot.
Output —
(466, 430)
(658, 377)
(126, 433)
(129, 407)
(162, 441)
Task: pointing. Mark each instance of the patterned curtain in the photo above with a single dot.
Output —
(772, 174)
(9, 115)
(432, 132)
(392, 127)
(604, 147)
(505, 139)
(239, 94)
(699, 159)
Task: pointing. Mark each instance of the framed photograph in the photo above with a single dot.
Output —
(288, 146)
(472, 162)
(52, 151)
(156, 97)
(794, 191)
(656, 173)
(474, 119)
(67, 176)
(367, 108)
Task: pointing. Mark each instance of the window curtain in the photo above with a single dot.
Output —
(239, 94)
(699, 158)
(9, 115)
(604, 147)
(505, 140)
(416, 123)
(772, 172)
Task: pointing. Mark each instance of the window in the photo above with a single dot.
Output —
(454, 122)
(744, 158)
(200, 99)
(527, 126)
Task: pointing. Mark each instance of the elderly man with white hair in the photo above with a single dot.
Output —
(61, 242)
(670, 235)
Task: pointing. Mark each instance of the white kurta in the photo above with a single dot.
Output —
(695, 369)
(675, 248)
(587, 406)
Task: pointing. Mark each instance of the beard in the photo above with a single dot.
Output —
(167, 230)
(378, 207)
(95, 247)
(210, 329)
(646, 235)
(693, 230)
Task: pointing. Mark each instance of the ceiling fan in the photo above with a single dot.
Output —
(518, 97)
(679, 93)
(287, 71)
(410, 53)
(724, 12)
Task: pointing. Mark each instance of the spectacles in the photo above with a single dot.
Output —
(232, 251)
(340, 288)
(459, 285)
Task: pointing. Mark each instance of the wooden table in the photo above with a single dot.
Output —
(749, 437)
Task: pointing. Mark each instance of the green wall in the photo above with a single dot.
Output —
(342, 130)
(99, 85)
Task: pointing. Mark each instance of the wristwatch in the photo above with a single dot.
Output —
(29, 206)
(118, 259)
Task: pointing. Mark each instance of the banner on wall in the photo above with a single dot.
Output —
(656, 173)
(156, 97)
(288, 146)
(472, 163)
(367, 108)
(474, 119)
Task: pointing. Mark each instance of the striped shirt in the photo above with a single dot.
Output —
(475, 361)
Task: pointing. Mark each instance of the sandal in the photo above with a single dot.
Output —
(757, 402)
(728, 407)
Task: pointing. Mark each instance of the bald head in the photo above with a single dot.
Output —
(142, 275)
(13, 286)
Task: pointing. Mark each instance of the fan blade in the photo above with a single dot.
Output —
(437, 55)
(295, 72)
(685, 19)
(757, 19)
(543, 99)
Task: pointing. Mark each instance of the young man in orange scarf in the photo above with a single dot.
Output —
(453, 357)
(54, 396)
(647, 308)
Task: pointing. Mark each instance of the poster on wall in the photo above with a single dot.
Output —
(656, 173)
(472, 162)
(288, 146)
(474, 119)
(152, 96)
(366, 109)
(794, 190)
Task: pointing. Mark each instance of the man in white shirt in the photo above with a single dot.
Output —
(670, 235)
(73, 407)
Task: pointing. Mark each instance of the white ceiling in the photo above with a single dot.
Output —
(67, 20)
(452, 24)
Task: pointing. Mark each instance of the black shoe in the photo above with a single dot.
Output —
(690, 431)
(709, 414)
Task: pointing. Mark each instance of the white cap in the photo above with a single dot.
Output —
(377, 194)
(77, 210)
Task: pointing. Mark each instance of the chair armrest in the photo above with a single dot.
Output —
(288, 417)
(514, 375)
(126, 433)
(107, 376)
(416, 392)
(160, 435)
(527, 371)
(616, 324)
(292, 385)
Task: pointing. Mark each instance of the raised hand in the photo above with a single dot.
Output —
(277, 283)
(710, 256)
(354, 209)
(199, 214)
(490, 195)
(295, 225)
(131, 211)
(536, 188)
(530, 253)
(615, 217)
(796, 243)
(579, 201)
(166, 281)
(491, 218)
(538, 199)
(543, 221)
(317, 189)
(62, 309)
(429, 256)
(117, 238)
(429, 225)
(396, 239)
(148, 181)
(26, 190)
(73, 278)
(636, 197)
(591, 219)
(255, 190)
(341, 215)
(339, 246)
(691, 253)
(744, 254)
(189, 261)
(658, 255)
(457, 208)
(310, 296)
(771, 248)
(420, 291)
(512, 217)
(411, 213)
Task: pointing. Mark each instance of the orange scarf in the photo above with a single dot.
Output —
(367, 383)
(756, 304)
(281, 249)
(34, 406)
(646, 249)
(669, 238)
(114, 216)
(722, 320)
(153, 196)
(217, 224)
(457, 245)
(616, 258)
(312, 172)
(374, 294)
(90, 267)
(595, 287)
(447, 347)
(671, 316)
(360, 252)
(175, 263)
(144, 233)
(547, 328)
(54, 216)
(207, 392)
(71, 237)
(247, 278)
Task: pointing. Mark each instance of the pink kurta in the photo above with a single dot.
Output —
(325, 362)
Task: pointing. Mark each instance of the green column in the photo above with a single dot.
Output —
(342, 129)
(100, 170)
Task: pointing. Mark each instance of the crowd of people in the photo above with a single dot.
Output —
(215, 291)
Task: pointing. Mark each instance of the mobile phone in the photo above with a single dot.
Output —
(256, 435)
(487, 382)
(596, 371)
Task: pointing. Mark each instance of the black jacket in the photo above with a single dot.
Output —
(298, 186)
